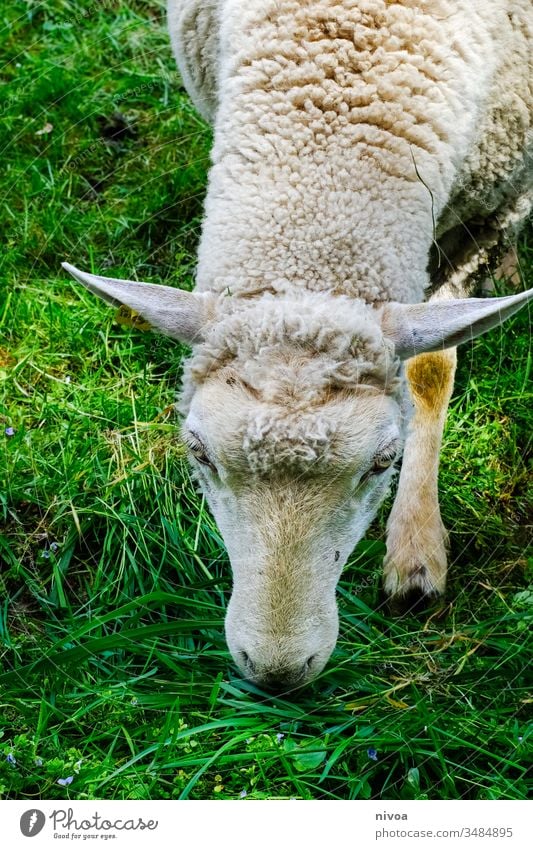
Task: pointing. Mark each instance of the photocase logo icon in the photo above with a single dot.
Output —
(32, 822)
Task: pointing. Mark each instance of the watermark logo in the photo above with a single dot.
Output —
(32, 822)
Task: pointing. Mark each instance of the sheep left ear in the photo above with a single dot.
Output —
(432, 326)
(174, 312)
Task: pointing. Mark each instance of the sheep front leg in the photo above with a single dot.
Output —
(416, 538)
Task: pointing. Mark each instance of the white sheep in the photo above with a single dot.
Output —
(358, 143)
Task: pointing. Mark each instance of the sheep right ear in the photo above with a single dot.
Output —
(174, 312)
(435, 325)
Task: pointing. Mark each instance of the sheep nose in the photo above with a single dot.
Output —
(283, 679)
(277, 676)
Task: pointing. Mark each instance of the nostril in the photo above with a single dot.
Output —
(276, 675)
(249, 664)
(309, 662)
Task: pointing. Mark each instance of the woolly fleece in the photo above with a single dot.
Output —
(348, 135)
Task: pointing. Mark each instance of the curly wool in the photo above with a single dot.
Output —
(350, 133)
(298, 356)
(276, 440)
(318, 346)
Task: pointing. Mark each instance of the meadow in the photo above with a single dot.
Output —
(115, 679)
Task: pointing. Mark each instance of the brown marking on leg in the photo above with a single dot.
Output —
(430, 379)
(416, 537)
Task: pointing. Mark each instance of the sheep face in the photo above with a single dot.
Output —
(292, 491)
(294, 415)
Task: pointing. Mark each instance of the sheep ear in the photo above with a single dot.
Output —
(174, 312)
(419, 328)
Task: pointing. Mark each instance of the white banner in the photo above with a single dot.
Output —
(277, 824)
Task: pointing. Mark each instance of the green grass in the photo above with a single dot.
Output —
(114, 578)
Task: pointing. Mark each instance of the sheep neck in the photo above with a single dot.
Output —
(337, 141)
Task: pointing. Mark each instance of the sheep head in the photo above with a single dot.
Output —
(294, 415)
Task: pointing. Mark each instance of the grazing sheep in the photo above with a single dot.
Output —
(368, 154)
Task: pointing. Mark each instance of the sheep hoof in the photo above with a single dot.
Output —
(413, 583)
(412, 603)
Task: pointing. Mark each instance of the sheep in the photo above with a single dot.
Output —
(371, 163)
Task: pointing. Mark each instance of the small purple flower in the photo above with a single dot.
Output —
(46, 554)
(11, 759)
(243, 794)
(38, 761)
(54, 546)
(372, 754)
(65, 781)
(9, 431)
(279, 737)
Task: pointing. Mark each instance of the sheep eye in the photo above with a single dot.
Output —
(381, 464)
(199, 452)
